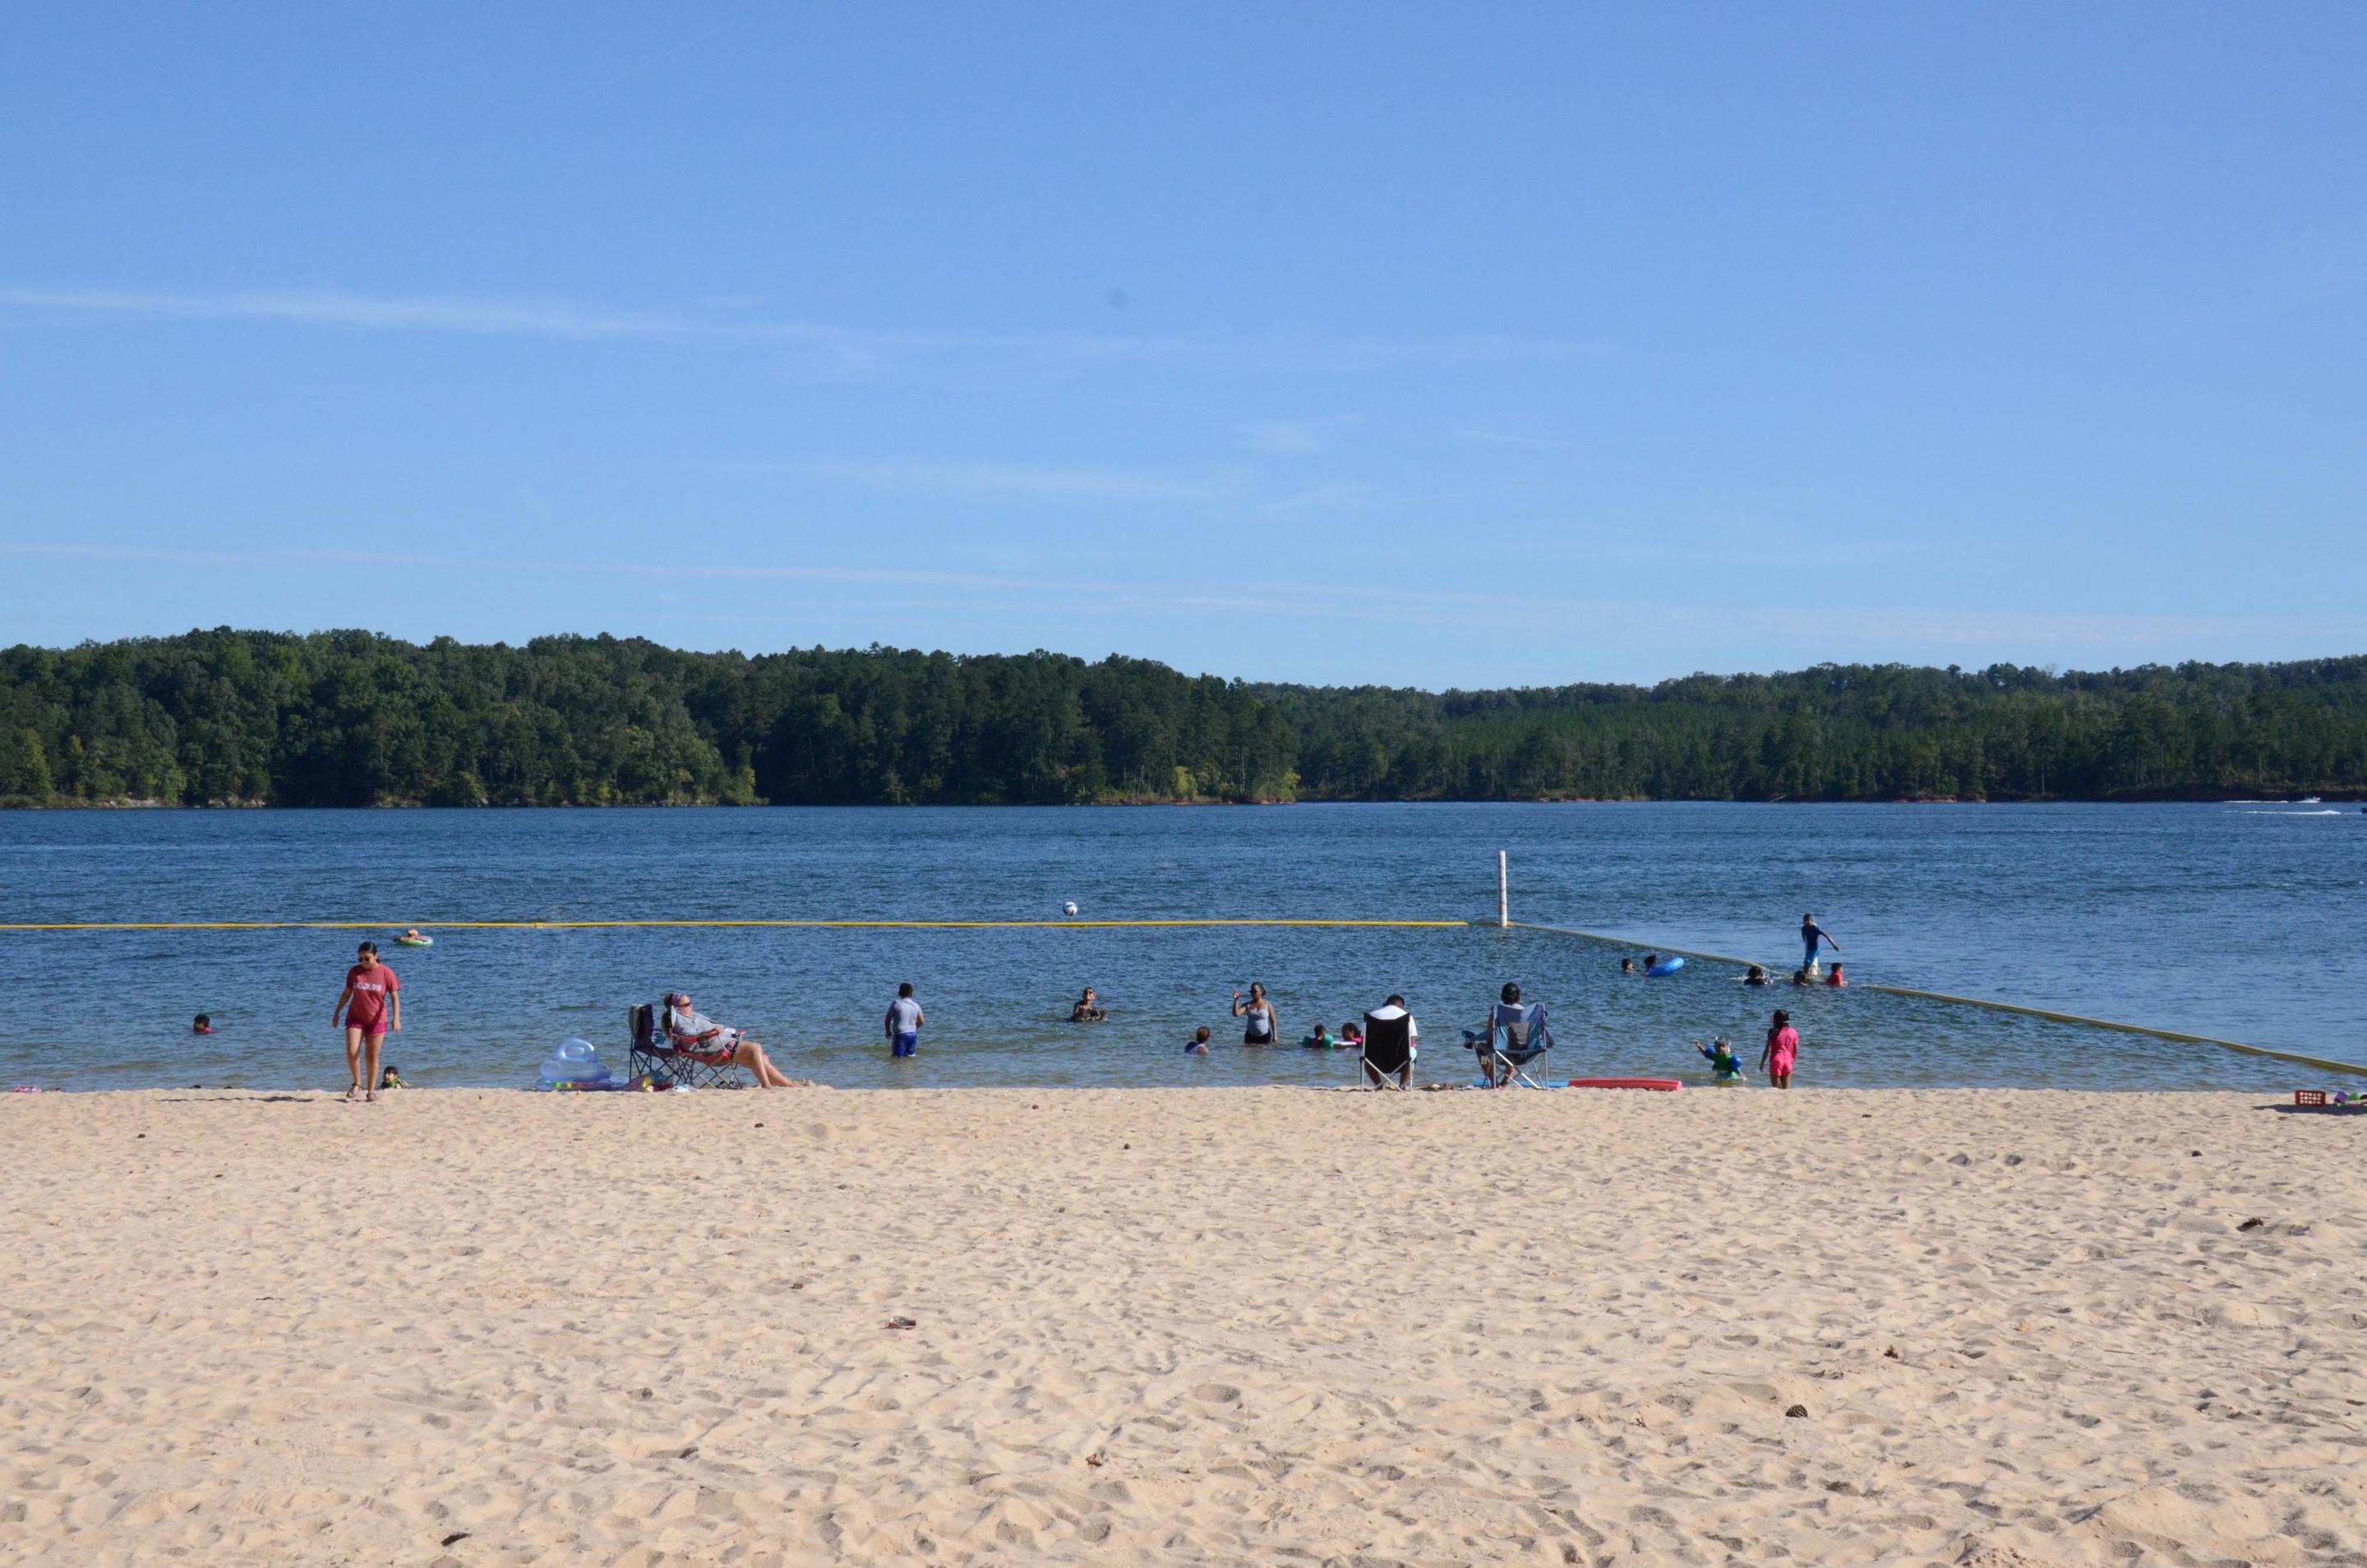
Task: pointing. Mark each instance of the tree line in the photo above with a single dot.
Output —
(228, 717)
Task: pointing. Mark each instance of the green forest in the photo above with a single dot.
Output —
(228, 717)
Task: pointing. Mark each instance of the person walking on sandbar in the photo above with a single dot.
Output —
(904, 1020)
(1812, 934)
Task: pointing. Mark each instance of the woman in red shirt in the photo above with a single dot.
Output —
(370, 1005)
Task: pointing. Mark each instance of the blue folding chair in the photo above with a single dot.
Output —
(1515, 1036)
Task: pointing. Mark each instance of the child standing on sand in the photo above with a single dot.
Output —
(1781, 1050)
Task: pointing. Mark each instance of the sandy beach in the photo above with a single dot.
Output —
(465, 1328)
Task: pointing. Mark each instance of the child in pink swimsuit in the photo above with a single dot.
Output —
(1783, 1047)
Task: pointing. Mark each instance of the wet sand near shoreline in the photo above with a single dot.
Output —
(1183, 1326)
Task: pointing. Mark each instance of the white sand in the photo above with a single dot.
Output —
(1181, 1327)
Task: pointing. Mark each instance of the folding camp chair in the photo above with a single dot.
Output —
(1389, 1051)
(1514, 1037)
(654, 1057)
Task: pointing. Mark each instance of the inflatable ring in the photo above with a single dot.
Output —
(415, 942)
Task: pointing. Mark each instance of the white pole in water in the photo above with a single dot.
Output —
(1503, 895)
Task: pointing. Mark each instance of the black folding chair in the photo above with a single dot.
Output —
(1387, 1061)
(654, 1055)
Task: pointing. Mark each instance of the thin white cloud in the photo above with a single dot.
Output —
(1331, 495)
(460, 314)
(996, 483)
(856, 347)
(1793, 638)
(1286, 437)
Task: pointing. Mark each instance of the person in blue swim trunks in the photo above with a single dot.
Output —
(1811, 934)
(904, 1020)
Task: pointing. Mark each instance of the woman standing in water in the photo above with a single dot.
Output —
(369, 1006)
(1259, 1025)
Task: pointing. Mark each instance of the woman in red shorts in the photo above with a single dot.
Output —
(370, 1005)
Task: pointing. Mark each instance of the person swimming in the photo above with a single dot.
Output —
(1757, 976)
(203, 1025)
(1199, 1045)
(1835, 977)
(1800, 977)
(1088, 1009)
(1627, 966)
(1320, 1041)
(1351, 1036)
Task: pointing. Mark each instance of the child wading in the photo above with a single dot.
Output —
(1725, 1066)
(904, 1020)
(1782, 1048)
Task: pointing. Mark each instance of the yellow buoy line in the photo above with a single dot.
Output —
(613, 925)
(2323, 1064)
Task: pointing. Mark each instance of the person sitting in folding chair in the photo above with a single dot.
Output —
(1391, 1039)
(703, 1040)
(1514, 1037)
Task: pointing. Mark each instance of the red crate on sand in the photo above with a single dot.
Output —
(2310, 1097)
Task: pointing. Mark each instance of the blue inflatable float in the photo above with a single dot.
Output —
(1665, 966)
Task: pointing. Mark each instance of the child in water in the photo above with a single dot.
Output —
(1800, 977)
(1627, 966)
(1757, 976)
(392, 1078)
(1351, 1036)
(1781, 1050)
(1198, 1045)
(204, 1025)
(1321, 1039)
(1725, 1066)
(1835, 977)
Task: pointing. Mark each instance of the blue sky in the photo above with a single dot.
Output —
(1423, 345)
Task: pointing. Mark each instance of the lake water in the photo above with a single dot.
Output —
(2237, 922)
